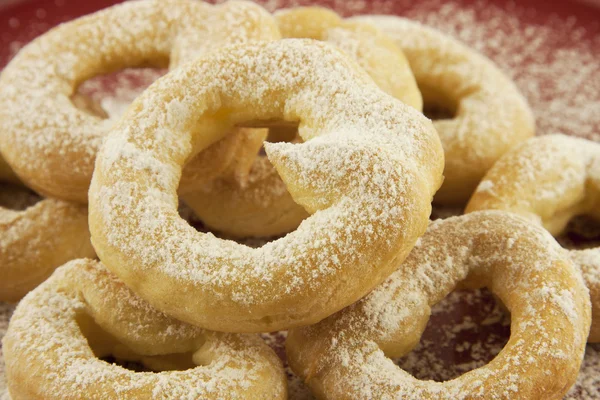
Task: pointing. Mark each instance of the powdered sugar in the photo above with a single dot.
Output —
(115, 92)
(589, 261)
(574, 103)
(554, 63)
(552, 58)
(6, 311)
(351, 346)
(549, 179)
(349, 126)
(47, 330)
(485, 186)
(37, 113)
(440, 355)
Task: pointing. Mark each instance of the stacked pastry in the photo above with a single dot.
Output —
(350, 168)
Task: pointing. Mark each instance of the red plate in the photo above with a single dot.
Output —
(551, 50)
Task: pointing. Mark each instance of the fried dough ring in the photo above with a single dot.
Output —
(261, 205)
(83, 313)
(37, 240)
(549, 180)
(47, 140)
(345, 356)
(360, 227)
(490, 115)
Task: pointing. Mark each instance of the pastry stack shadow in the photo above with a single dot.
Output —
(308, 128)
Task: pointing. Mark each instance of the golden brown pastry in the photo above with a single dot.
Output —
(366, 171)
(346, 355)
(549, 180)
(60, 332)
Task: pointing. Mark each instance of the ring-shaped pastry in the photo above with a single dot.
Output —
(374, 51)
(549, 180)
(489, 114)
(346, 355)
(367, 170)
(59, 333)
(260, 205)
(37, 240)
(49, 142)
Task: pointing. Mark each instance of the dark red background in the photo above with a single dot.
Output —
(32, 17)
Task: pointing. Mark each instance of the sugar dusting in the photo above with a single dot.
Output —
(443, 353)
(553, 62)
(327, 173)
(47, 332)
(571, 106)
(115, 92)
(467, 330)
(345, 346)
(6, 311)
(37, 112)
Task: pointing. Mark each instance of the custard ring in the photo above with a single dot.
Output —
(49, 142)
(490, 115)
(37, 240)
(261, 205)
(367, 169)
(345, 356)
(549, 180)
(59, 333)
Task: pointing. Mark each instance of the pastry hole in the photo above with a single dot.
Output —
(108, 349)
(439, 211)
(582, 232)
(279, 134)
(108, 96)
(283, 133)
(258, 226)
(437, 105)
(195, 222)
(279, 131)
(466, 331)
(17, 198)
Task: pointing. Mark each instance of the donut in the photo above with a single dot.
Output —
(49, 142)
(487, 114)
(60, 333)
(375, 52)
(260, 205)
(37, 239)
(549, 180)
(346, 355)
(366, 171)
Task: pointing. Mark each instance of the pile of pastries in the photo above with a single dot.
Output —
(300, 126)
